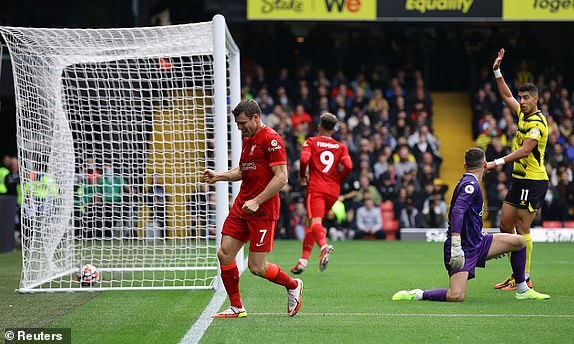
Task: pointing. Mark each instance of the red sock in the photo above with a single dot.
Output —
(319, 234)
(230, 277)
(276, 275)
(308, 243)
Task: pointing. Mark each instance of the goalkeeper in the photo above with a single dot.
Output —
(466, 247)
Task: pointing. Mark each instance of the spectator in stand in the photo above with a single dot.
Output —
(322, 106)
(401, 128)
(395, 90)
(387, 139)
(414, 138)
(274, 118)
(298, 219)
(488, 130)
(565, 127)
(259, 80)
(299, 117)
(265, 101)
(410, 217)
(404, 161)
(426, 175)
(359, 100)
(428, 159)
(557, 156)
(495, 204)
(362, 83)
(348, 139)
(569, 147)
(434, 212)
(496, 149)
(334, 227)
(366, 188)
(342, 96)
(505, 122)
(566, 191)
(387, 184)
(398, 106)
(382, 164)
(304, 98)
(378, 103)
(369, 219)
(422, 146)
(552, 208)
(282, 98)
(283, 81)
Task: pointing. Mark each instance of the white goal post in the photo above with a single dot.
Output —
(114, 130)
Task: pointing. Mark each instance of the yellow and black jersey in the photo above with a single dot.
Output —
(534, 127)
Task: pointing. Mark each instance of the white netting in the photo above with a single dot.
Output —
(115, 127)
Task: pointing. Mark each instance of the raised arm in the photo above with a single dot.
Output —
(503, 88)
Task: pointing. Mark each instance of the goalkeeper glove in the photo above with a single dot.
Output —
(456, 253)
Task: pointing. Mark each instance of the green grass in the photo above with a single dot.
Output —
(348, 303)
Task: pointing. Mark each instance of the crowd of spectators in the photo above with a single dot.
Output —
(387, 125)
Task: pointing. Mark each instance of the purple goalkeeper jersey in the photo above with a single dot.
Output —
(465, 215)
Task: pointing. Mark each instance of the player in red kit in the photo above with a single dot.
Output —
(329, 164)
(253, 217)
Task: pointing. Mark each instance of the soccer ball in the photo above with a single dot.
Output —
(88, 275)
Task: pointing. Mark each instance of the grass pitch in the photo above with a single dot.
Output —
(348, 303)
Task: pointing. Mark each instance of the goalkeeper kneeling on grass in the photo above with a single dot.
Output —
(466, 247)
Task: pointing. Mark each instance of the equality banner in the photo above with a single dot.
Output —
(433, 10)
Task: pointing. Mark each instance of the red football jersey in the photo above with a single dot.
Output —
(259, 154)
(326, 154)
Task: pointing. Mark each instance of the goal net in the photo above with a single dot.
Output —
(115, 127)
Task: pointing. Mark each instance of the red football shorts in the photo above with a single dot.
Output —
(319, 204)
(260, 233)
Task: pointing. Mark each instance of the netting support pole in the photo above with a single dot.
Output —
(221, 145)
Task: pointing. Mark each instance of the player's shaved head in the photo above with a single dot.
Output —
(328, 121)
(474, 158)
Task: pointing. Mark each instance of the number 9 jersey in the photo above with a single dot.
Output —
(324, 155)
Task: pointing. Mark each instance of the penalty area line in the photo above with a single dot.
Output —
(423, 315)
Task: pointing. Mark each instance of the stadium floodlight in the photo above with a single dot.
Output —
(145, 104)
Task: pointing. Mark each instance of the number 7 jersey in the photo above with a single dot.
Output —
(329, 164)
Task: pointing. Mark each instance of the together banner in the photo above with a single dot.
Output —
(540, 10)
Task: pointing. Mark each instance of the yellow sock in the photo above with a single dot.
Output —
(528, 239)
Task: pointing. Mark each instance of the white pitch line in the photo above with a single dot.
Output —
(193, 336)
(424, 315)
(195, 333)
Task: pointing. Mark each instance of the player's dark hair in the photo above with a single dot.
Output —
(528, 87)
(328, 121)
(247, 106)
(474, 158)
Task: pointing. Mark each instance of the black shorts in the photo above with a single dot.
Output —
(526, 193)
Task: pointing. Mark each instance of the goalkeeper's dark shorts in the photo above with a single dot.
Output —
(472, 258)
